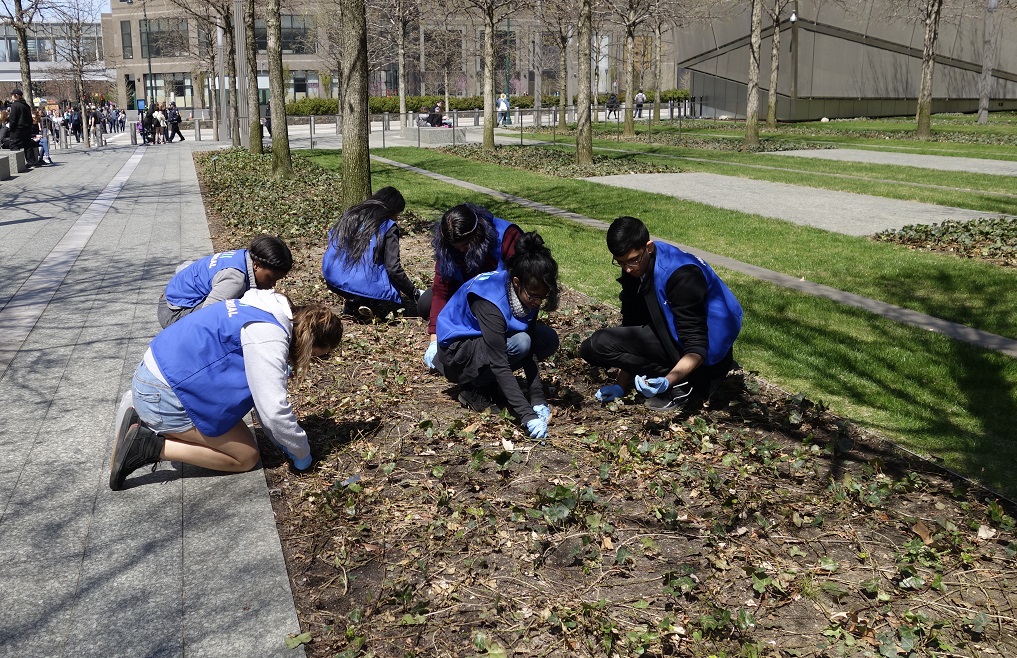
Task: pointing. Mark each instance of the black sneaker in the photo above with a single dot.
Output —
(136, 447)
(477, 399)
(672, 399)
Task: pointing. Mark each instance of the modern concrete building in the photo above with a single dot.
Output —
(837, 59)
(53, 49)
(848, 59)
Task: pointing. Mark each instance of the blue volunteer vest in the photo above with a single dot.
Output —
(723, 312)
(191, 286)
(202, 359)
(368, 278)
(500, 226)
(456, 321)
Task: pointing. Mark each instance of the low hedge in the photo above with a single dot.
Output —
(380, 104)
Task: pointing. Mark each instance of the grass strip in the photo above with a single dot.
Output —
(930, 394)
(967, 292)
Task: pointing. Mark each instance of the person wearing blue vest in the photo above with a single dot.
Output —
(467, 241)
(203, 374)
(485, 333)
(679, 322)
(225, 275)
(362, 264)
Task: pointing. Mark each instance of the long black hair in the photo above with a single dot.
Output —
(465, 223)
(353, 232)
(533, 265)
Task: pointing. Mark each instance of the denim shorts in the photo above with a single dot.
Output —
(156, 403)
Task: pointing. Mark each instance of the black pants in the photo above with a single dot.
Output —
(174, 130)
(638, 351)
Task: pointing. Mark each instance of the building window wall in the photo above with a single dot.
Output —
(127, 39)
(299, 35)
(170, 88)
(163, 37)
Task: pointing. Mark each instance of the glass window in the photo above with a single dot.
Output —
(127, 39)
(163, 37)
(298, 35)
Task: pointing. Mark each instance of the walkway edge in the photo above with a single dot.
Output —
(953, 330)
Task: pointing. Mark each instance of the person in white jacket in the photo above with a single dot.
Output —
(201, 375)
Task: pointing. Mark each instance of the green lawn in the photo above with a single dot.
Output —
(967, 292)
(931, 394)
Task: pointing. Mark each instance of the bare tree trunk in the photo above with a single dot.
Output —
(401, 51)
(21, 30)
(538, 67)
(422, 61)
(932, 12)
(231, 73)
(771, 104)
(253, 107)
(657, 58)
(752, 97)
(489, 81)
(629, 129)
(584, 131)
(988, 55)
(282, 165)
(563, 83)
(356, 165)
(214, 102)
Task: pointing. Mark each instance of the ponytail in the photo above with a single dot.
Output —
(313, 326)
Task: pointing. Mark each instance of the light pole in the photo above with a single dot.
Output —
(149, 83)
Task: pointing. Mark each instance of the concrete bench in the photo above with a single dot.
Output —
(5, 168)
(433, 136)
(15, 162)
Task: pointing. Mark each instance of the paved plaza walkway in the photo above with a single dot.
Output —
(172, 565)
(841, 212)
(938, 162)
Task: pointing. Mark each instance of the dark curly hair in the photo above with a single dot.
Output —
(533, 265)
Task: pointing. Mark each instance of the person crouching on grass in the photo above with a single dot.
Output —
(485, 333)
(203, 374)
(679, 322)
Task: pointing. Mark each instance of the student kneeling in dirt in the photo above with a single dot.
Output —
(202, 375)
(484, 334)
(362, 263)
(226, 275)
(679, 321)
(470, 240)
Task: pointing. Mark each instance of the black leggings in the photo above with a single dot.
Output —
(638, 351)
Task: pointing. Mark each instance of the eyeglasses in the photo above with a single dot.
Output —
(630, 262)
(531, 299)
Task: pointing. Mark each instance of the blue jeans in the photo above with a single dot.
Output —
(157, 405)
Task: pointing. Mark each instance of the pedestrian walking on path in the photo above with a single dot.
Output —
(202, 375)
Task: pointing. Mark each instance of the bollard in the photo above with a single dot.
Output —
(134, 133)
(311, 124)
(65, 138)
(197, 130)
(476, 117)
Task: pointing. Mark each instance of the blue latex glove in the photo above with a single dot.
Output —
(303, 464)
(610, 392)
(543, 412)
(430, 353)
(537, 428)
(652, 386)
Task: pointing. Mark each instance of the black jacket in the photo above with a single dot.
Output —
(21, 123)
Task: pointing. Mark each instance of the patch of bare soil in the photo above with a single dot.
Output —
(756, 524)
